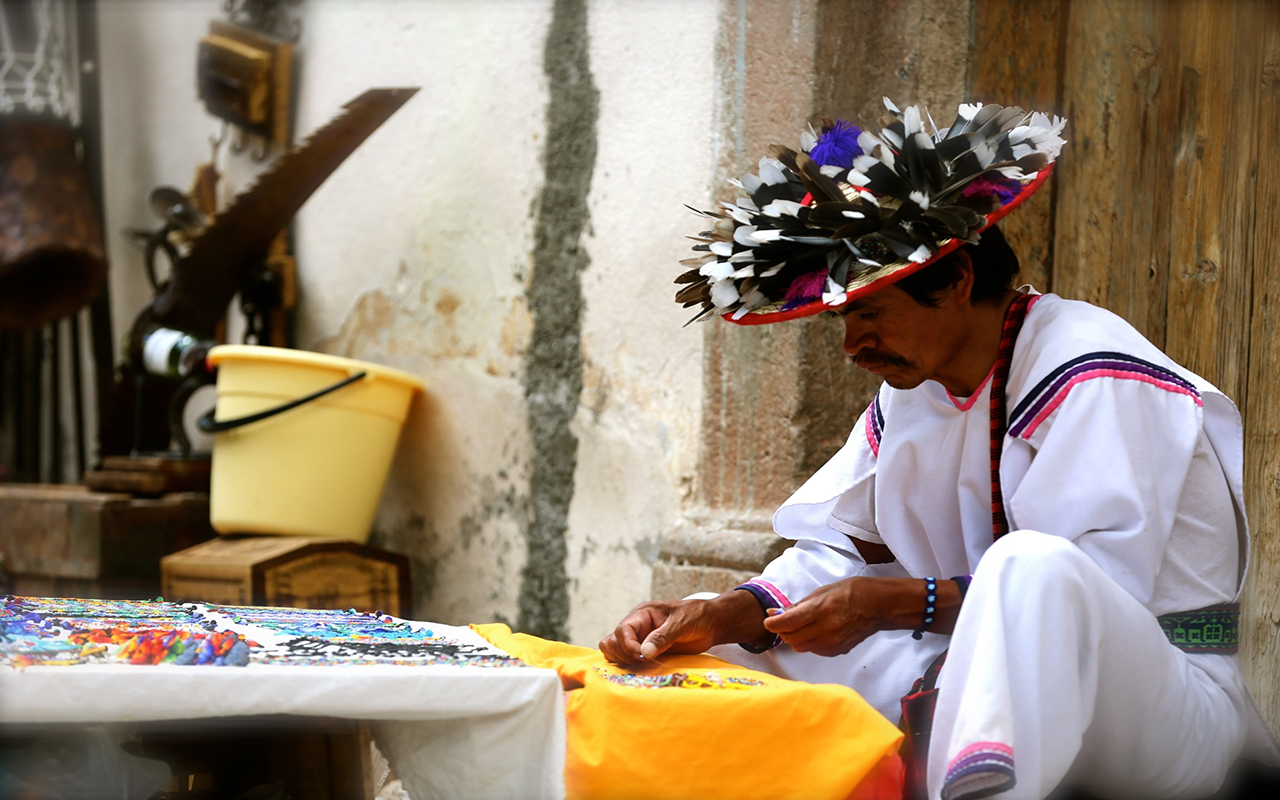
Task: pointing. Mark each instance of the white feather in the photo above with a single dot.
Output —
(722, 248)
(889, 105)
(753, 299)
(724, 293)
(771, 171)
(985, 153)
(834, 294)
(780, 208)
(717, 271)
(814, 240)
(766, 235)
(885, 154)
(919, 198)
(911, 124)
(920, 255)
(863, 163)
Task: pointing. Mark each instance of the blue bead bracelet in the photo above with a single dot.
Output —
(930, 606)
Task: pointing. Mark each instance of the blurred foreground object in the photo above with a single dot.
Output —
(52, 259)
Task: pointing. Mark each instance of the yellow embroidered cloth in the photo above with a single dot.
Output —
(698, 726)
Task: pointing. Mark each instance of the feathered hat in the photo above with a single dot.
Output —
(856, 210)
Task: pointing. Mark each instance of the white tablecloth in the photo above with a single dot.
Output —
(448, 731)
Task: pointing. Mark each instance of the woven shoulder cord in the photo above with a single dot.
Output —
(1013, 320)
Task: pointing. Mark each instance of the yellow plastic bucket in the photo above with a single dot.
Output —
(310, 468)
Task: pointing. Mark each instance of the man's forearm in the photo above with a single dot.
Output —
(900, 603)
(836, 618)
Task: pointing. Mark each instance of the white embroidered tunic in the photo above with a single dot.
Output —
(1110, 445)
(1122, 476)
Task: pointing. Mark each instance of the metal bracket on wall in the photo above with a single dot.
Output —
(246, 78)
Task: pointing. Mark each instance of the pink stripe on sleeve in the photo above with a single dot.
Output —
(987, 747)
(871, 431)
(773, 591)
(1052, 405)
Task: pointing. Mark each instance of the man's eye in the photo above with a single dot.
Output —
(868, 315)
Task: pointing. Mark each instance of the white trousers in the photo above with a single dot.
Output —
(1053, 673)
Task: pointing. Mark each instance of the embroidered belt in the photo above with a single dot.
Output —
(1215, 629)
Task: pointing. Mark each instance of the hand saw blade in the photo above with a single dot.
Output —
(205, 281)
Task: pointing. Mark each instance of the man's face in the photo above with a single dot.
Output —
(891, 335)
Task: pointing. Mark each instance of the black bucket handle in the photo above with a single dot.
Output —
(208, 424)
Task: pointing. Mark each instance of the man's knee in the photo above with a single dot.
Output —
(1026, 559)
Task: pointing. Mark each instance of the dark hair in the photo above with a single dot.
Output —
(994, 268)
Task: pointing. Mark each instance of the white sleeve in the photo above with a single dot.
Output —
(839, 500)
(807, 566)
(1107, 469)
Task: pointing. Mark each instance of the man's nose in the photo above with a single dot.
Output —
(857, 337)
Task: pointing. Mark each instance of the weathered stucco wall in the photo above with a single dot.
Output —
(510, 236)
(638, 420)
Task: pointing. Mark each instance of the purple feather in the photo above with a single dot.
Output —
(838, 146)
(1004, 188)
(806, 288)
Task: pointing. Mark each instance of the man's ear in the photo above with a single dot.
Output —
(961, 291)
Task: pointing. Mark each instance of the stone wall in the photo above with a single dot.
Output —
(779, 400)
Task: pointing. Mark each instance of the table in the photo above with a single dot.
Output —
(456, 718)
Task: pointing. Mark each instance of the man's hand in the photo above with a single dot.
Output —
(836, 618)
(684, 626)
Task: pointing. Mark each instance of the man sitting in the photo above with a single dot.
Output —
(1036, 489)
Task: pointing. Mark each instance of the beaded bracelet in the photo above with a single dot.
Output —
(930, 606)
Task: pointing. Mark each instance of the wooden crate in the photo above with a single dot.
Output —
(293, 571)
(59, 540)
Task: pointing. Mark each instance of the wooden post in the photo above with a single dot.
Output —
(1261, 624)
(1211, 185)
(1017, 60)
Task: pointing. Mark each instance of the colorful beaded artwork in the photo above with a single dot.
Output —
(318, 637)
(708, 679)
(64, 632)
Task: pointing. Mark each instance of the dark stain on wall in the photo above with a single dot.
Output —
(553, 370)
